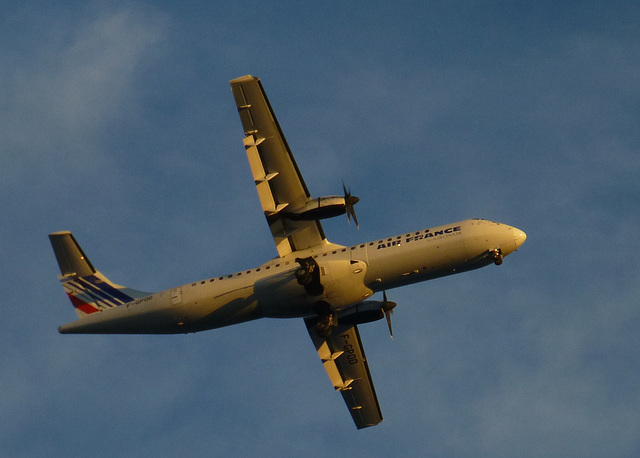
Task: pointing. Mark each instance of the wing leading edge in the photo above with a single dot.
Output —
(277, 178)
(343, 358)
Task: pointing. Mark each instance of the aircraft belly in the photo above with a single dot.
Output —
(280, 296)
(209, 307)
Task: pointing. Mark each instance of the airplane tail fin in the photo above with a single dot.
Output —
(88, 290)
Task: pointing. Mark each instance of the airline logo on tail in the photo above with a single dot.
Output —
(92, 294)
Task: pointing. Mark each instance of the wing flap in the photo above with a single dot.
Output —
(344, 361)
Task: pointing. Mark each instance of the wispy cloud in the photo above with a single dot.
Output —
(59, 100)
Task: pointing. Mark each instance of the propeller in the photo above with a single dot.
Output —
(349, 202)
(387, 307)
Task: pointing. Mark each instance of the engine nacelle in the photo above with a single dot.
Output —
(318, 208)
(364, 312)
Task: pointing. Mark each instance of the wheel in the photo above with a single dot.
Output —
(323, 327)
(303, 276)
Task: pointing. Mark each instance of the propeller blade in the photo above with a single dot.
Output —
(352, 212)
(349, 202)
(387, 307)
(388, 315)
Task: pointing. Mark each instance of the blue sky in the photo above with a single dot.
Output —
(117, 123)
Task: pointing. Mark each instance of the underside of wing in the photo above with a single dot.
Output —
(343, 358)
(277, 178)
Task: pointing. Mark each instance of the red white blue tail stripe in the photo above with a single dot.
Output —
(95, 293)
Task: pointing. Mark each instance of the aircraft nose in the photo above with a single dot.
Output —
(519, 237)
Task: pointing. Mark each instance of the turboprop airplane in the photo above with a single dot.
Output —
(329, 286)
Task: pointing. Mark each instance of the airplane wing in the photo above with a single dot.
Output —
(343, 358)
(276, 175)
(281, 188)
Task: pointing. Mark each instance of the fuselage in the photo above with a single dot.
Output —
(349, 275)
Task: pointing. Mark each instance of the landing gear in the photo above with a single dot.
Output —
(308, 275)
(303, 276)
(325, 323)
(326, 320)
(496, 254)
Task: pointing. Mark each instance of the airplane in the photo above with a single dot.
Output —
(329, 286)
